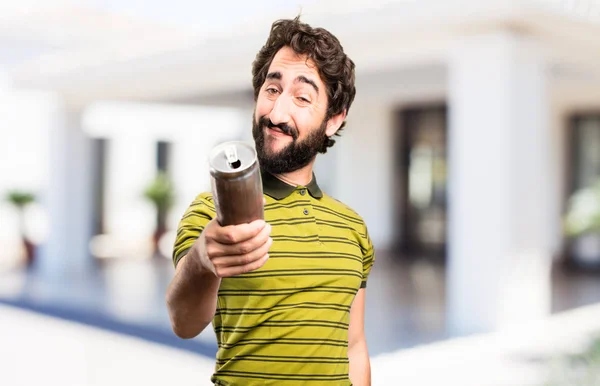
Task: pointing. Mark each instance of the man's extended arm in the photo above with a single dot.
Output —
(218, 252)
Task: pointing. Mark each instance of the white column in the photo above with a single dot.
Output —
(499, 259)
(68, 198)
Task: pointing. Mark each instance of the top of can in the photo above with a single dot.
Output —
(231, 157)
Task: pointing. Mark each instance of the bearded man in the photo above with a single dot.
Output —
(286, 296)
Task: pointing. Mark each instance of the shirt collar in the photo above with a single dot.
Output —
(278, 189)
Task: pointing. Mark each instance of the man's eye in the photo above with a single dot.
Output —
(272, 91)
(305, 100)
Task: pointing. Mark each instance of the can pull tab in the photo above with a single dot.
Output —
(232, 157)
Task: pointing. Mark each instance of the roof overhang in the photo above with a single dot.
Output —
(390, 36)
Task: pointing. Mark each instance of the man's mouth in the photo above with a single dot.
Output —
(278, 130)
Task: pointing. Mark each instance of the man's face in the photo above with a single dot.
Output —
(289, 125)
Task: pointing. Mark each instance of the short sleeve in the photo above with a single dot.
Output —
(368, 257)
(193, 222)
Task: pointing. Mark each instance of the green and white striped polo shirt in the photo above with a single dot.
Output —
(287, 322)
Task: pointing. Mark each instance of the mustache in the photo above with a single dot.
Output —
(284, 127)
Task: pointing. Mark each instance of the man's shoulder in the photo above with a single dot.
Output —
(204, 199)
(204, 196)
(340, 207)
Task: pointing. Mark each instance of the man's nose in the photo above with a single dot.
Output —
(281, 111)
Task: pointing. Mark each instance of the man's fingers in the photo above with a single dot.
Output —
(241, 260)
(240, 269)
(217, 249)
(234, 234)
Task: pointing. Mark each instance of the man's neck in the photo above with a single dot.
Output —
(299, 177)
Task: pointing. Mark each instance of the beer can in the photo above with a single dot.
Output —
(236, 183)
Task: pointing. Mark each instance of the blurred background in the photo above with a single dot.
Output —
(472, 151)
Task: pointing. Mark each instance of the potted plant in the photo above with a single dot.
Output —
(161, 193)
(582, 224)
(20, 199)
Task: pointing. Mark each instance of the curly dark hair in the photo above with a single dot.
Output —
(319, 45)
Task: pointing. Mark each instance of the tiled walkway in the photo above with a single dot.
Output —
(40, 350)
(405, 301)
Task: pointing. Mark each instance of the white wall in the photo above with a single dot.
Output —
(364, 168)
(131, 166)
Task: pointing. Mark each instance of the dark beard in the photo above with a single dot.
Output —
(295, 155)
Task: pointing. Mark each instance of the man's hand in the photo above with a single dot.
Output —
(234, 249)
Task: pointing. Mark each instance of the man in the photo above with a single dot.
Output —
(286, 296)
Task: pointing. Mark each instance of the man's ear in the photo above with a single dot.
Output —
(334, 123)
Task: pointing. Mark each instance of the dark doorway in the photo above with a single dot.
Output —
(421, 140)
(99, 151)
(163, 161)
(583, 172)
(163, 156)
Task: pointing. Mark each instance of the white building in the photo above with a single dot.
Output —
(473, 122)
